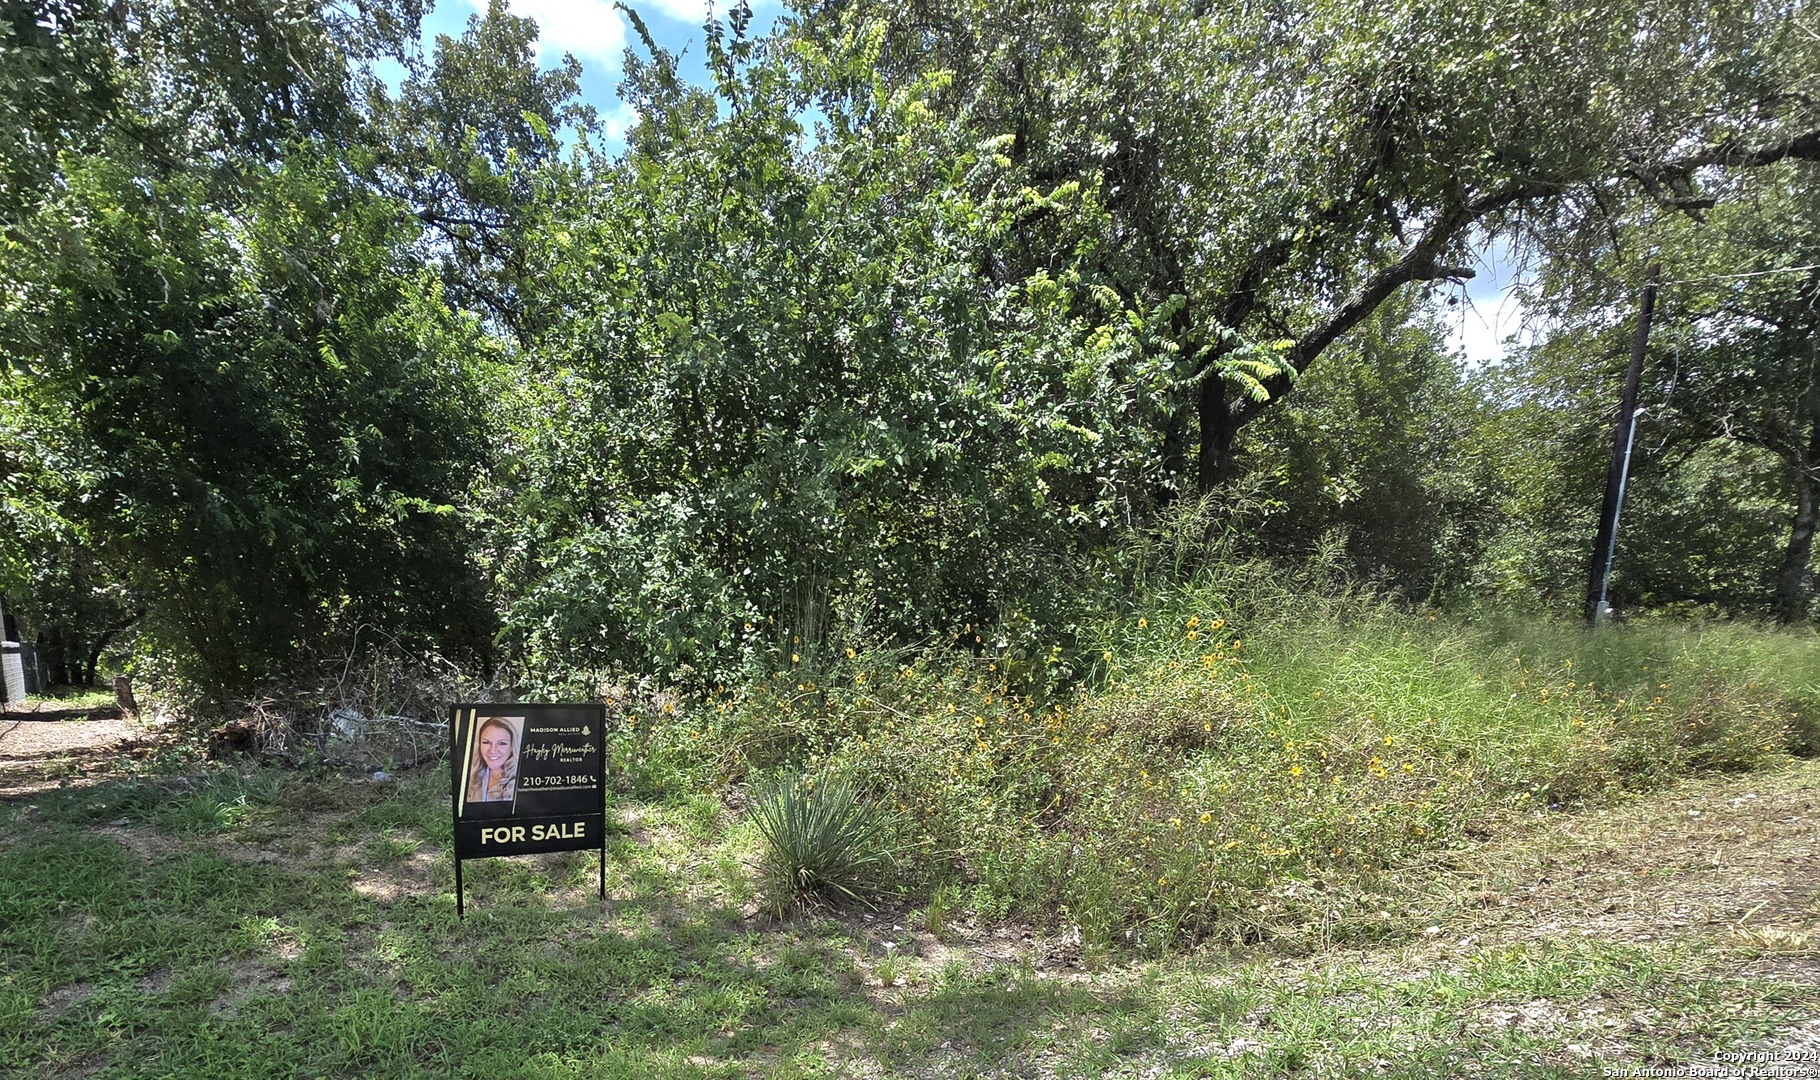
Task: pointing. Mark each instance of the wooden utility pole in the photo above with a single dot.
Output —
(1624, 436)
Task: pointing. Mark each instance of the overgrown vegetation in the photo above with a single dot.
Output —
(1013, 456)
(313, 931)
(1251, 754)
(291, 352)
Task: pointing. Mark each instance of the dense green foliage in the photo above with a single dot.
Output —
(899, 332)
(236, 403)
(1721, 510)
(841, 425)
(260, 453)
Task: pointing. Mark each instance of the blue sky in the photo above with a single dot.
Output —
(597, 34)
(1490, 307)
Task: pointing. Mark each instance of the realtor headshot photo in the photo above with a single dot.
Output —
(493, 759)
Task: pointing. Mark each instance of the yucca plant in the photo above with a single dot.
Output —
(822, 839)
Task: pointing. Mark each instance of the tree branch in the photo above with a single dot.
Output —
(1733, 154)
(1418, 262)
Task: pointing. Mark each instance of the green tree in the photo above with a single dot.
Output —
(1544, 437)
(1377, 442)
(1719, 508)
(229, 379)
(463, 142)
(1286, 170)
(1748, 367)
(1732, 361)
(262, 424)
(782, 395)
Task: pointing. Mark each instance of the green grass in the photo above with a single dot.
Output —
(73, 697)
(1246, 759)
(141, 950)
(1216, 857)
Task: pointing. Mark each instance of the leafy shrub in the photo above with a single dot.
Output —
(822, 839)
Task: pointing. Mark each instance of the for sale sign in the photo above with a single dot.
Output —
(526, 779)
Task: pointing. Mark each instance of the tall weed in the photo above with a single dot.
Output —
(1245, 755)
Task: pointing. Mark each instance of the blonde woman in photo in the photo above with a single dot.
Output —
(494, 777)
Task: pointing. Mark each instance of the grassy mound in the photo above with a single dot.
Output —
(1242, 769)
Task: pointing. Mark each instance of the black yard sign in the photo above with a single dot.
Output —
(527, 778)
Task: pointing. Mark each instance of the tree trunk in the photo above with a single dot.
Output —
(54, 651)
(1213, 465)
(1174, 458)
(1791, 580)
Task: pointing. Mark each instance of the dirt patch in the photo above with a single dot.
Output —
(1537, 1015)
(256, 856)
(79, 1070)
(1800, 1042)
(65, 998)
(146, 843)
(1793, 970)
(50, 748)
(388, 884)
(250, 981)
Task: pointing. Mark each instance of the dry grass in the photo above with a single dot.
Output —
(1716, 855)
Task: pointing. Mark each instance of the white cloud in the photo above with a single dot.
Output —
(590, 29)
(1489, 310)
(695, 12)
(1481, 327)
(617, 120)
